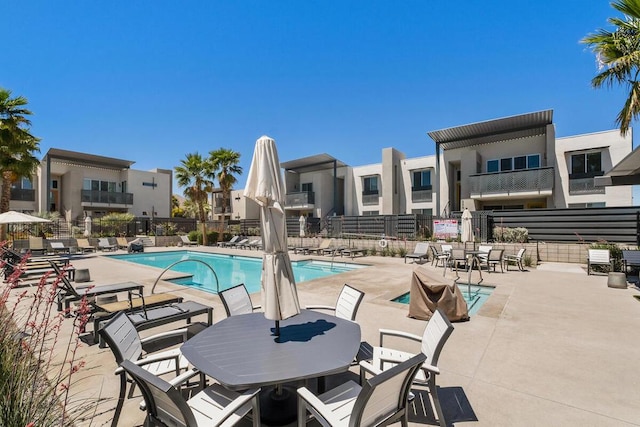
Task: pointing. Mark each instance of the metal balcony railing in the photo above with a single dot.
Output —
(584, 186)
(538, 180)
(107, 197)
(370, 199)
(422, 195)
(23, 195)
(299, 199)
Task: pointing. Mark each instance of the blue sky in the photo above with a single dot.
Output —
(151, 81)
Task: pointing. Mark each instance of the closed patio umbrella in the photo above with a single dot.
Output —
(303, 225)
(466, 234)
(87, 226)
(265, 187)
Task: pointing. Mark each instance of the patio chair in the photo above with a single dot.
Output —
(236, 300)
(492, 259)
(213, 406)
(36, 245)
(517, 259)
(437, 257)
(256, 244)
(435, 335)
(599, 257)
(122, 243)
(250, 244)
(237, 244)
(347, 304)
(630, 259)
(458, 257)
(187, 242)
(483, 252)
(420, 252)
(84, 246)
(380, 400)
(125, 344)
(105, 245)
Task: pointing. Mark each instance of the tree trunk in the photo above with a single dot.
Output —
(5, 198)
(203, 223)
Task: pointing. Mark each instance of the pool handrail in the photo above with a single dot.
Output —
(185, 260)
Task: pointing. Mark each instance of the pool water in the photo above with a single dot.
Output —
(474, 295)
(230, 269)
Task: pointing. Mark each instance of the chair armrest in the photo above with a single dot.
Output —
(169, 334)
(398, 334)
(433, 369)
(320, 307)
(367, 368)
(236, 404)
(257, 307)
(183, 378)
(318, 406)
(165, 355)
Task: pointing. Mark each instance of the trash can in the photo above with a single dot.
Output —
(617, 280)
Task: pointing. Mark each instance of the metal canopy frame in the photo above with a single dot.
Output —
(626, 172)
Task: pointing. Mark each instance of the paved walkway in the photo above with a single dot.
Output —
(552, 346)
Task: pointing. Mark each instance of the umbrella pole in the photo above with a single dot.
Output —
(277, 333)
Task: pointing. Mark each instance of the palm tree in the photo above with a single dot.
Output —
(225, 162)
(17, 146)
(618, 53)
(196, 175)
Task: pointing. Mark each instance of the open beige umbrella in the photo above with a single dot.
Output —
(265, 187)
(13, 217)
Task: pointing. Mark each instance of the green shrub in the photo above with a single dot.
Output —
(510, 235)
(392, 252)
(402, 252)
(373, 251)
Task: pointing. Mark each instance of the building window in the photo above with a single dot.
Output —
(370, 185)
(586, 165)
(306, 187)
(422, 211)
(587, 205)
(421, 180)
(26, 184)
(370, 213)
(96, 185)
(529, 161)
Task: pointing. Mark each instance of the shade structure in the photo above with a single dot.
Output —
(466, 234)
(265, 187)
(13, 217)
(303, 225)
(87, 226)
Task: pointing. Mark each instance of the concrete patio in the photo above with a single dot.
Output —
(551, 346)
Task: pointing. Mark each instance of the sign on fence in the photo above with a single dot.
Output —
(445, 228)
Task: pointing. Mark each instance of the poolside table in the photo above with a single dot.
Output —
(242, 352)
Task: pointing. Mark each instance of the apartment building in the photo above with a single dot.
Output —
(510, 163)
(80, 184)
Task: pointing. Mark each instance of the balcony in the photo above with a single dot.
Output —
(523, 182)
(370, 198)
(584, 184)
(302, 199)
(91, 197)
(23, 195)
(422, 194)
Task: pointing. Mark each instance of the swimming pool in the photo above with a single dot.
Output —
(474, 295)
(230, 269)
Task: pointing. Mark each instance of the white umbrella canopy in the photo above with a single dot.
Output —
(265, 187)
(13, 217)
(466, 234)
(87, 226)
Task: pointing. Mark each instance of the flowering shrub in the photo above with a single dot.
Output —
(510, 235)
(35, 380)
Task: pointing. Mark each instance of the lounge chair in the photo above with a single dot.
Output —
(186, 241)
(233, 240)
(483, 252)
(58, 247)
(379, 401)
(236, 300)
(122, 243)
(105, 245)
(250, 244)
(125, 343)
(630, 260)
(517, 259)
(352, 252)
(84, 246)
(36, 245)
(420, 252)
(256, 244)
(433, 338)
(213, 406)
(237, 244)
(319, 250)
(347, 304)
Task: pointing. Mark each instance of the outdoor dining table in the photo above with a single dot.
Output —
(242, 352)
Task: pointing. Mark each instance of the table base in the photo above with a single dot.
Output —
(278, 405)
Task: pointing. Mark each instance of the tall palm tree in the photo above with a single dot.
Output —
(618, 54)
(225, 162)
(196, 175)
(17, 146)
